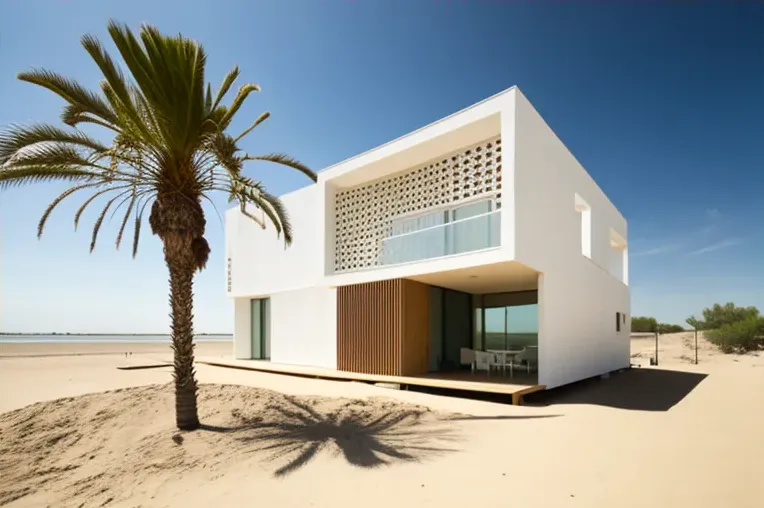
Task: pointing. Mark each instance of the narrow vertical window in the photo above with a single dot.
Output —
(585, 211)
(617, 321)
(618, 257)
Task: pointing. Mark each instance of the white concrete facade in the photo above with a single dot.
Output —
(557, 233)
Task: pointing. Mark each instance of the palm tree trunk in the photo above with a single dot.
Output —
(182, 314)
(179, 221)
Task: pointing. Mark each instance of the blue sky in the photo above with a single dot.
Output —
(662, 103)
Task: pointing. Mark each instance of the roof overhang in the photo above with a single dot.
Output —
(493, 278)
(467, 127)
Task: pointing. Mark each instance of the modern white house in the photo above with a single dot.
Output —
(478, 231)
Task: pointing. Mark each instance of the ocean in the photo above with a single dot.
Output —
(102, 339)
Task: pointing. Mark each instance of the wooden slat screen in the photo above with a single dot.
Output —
(416, 328)
(383, 327)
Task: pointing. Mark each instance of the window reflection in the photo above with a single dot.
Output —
(506, 321)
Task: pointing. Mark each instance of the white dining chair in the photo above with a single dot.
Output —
(527, 357)
(484, 360)
(467, 357)
(519, 359)
(532, 357)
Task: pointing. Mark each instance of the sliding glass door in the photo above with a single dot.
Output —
(508, 321)
(261, 328)
(450, 327)
(495, 328)
(522, 326)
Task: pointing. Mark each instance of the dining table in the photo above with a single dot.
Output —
(506, 356)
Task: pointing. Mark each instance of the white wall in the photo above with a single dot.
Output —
(615, 262)
(302, 321)
(261, 264)
(304, 327)
(242, 328)
(578, 298)
(508, 141)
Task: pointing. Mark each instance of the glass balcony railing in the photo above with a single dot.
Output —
(457, 237)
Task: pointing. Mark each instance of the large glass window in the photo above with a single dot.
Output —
(467, 235)
(261, 328)
(464, 228)
(509, 321)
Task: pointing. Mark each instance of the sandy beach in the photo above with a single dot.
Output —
(676, 435)
(142, 349)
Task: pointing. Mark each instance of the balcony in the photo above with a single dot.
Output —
(441, 234)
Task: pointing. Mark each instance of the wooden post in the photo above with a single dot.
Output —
(656, 348)
(696, 346)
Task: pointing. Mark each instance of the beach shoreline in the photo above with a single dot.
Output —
(92, 348)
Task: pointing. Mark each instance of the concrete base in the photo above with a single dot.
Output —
(392, 386)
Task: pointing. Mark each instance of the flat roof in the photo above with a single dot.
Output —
(429, 125)
(468, 126)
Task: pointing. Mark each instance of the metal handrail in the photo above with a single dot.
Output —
(440, 225)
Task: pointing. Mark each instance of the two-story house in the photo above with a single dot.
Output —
(478, 231)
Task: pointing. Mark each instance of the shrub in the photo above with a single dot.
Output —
(664, 328)
(643, 324)
(727, 314)
(738, 337)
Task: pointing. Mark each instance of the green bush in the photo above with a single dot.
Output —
(643, 324)
(664, 328)
(727, 314)
(738, 337)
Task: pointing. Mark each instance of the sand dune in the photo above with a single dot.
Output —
(675, 348)
(117, 446)
(678, 435)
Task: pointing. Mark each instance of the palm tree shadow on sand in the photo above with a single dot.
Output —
(298, 432)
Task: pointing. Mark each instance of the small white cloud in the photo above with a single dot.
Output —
(661, 249)
(730, 242)
(713, 213)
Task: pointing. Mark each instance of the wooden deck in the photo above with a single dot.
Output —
(517, 386)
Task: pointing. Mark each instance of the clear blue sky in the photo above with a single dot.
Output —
(662, 103)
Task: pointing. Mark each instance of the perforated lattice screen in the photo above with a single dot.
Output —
(364, 214)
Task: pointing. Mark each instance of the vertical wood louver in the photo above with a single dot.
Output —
(383, 327)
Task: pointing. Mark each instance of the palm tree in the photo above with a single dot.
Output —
(169, 150)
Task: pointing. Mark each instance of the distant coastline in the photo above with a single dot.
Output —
(108, 338)
(65, 334)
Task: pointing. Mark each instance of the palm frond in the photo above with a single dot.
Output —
(208, 100)
(274, 209)
(119, 99)
(245, 212)
(244, 92)
(16, 138)
(284, 160)
(74, 115)
(137, 230)
(138, 61)
(71, 91)
(52, 154)
(99, 221)
(225, 86)
(126, 218)
(260, 119)
(92, 198)
(56, 202)
(223, 147)
(14, 177)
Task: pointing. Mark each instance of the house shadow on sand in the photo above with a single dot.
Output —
(633, 389)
